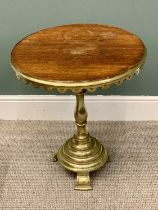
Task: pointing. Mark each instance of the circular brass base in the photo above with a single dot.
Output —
(82, 157)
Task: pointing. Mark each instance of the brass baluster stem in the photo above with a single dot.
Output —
(82, 153)
(80, 117)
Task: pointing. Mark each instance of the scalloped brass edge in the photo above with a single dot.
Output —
(76, 87)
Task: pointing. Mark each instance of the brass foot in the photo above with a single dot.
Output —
(55, 159)
(108, 160)
(83, 181)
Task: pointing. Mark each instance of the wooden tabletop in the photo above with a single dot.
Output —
(77, 53)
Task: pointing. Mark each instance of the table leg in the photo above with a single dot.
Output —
(82, 153)
(83, 181)
(55, 158)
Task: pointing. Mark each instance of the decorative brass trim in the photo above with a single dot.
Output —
(76, 87)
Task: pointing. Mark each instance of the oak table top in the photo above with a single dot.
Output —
(78, 56)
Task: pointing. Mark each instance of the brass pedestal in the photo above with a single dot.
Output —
(82, 153)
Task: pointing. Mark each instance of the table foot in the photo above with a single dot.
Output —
(55, 159)
(83, 181)
(109, 159)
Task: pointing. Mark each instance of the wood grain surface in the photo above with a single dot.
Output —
(77, 52)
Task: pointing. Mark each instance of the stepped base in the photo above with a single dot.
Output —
(82, 157)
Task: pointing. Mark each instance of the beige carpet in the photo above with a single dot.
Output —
(30, 180)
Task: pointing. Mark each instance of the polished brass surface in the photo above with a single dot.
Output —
(82, 153)
(83, 181)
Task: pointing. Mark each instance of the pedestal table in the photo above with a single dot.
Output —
(79, 57)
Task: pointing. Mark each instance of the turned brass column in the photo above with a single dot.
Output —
(82, 153)
(80, 115)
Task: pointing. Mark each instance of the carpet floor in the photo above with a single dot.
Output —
(30, 180)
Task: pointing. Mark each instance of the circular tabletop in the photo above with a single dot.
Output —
(78, 56)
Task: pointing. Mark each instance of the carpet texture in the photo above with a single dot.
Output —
(30, 180)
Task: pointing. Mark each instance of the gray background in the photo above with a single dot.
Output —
(18, 18)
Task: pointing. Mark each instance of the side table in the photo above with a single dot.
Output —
(79, 57)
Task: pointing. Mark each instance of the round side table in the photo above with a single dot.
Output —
(79, 57)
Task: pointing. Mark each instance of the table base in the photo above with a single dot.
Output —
(82, 158)
(82, 153)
